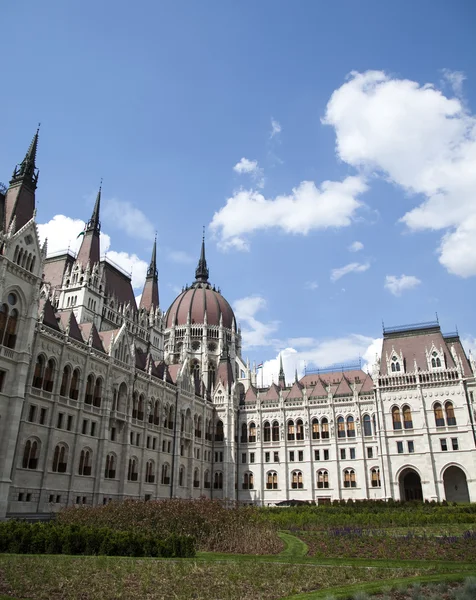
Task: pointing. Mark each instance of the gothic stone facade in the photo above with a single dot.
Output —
(101, 399)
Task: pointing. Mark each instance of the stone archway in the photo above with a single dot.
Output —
(410, 485)
(456, 486)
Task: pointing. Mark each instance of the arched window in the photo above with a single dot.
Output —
(134, 405)
(74, 386)
(140, 408)
(39, 372)
(322, 479)
(165, 479)
(196, 478)
(248, 481)
(122, 398)
(291, 430)
(324, 428)
(407, 417)
(85, 462)
(60, 458)
(296, 480)
(271, 480)
(195, 372)
(219, 432)
(340, 427)
(49, 376)
(206, 479)
(349, 478)
(439, 418)
(315, 429)
(65, 381)
(266, 432)
(149, 472)
(252, 435)
(97, 392)
(350, 426)
(198, 430)
(154, 416)
(435, 360)
(395, 364)
(110, 471)
(211, 377)
(88, 398)
(375, 477)
(132, 470)
(30, 455)
(244, 433)
(396, 418)
(3, 320)
(367, 426)
(275, 431)
(218, 481)
(450, 413)
(299, 430)
(10, 337)
(171, 417)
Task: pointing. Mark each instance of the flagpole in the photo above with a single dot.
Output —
(262, 376)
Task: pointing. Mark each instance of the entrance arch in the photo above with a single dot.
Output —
(410, 485)
(456, 486)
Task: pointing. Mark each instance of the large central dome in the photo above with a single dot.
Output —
(200, 299)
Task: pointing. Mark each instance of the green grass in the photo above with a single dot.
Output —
(292, 574)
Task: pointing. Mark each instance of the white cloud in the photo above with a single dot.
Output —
(138, 298)
(354, 267)
(250, 167)
(180, 257)
(373, 352)
(62, 233)
(455, 79)
(314, 353)
(131, 263)
(308, 207)
(127, 217)
(420, 140)
(396, 285)
(469, 344)
(275, 128)
(254, 333)
(356, 246)
(311, 285)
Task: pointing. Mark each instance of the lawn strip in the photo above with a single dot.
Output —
(347, 591)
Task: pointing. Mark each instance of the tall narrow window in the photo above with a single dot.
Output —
(218, 481)
(65, 381)
(88, 398)
(60, 459)
(85, 462)
(395, 364)
(349, 478)
(439, 418)
(275, 431)
(219, 432)
(407, 417)
(39, 372)
(3, 320)
(296, 480)
(315, 429)
(206, 480)
(97, 392)
(244, 433)
(266, 432)
(165, 479)
(291, 434)
(271, 480)
(350, 426)
(74, 386)
(140, 408)
(49, 376)
(340, 427)
(299, 430)
(30, 455)
(450, 413)
(132, 470)
(252, 434)
(149, 472)
(10, 337)
(396, 418)
(367, 426)
(110, 471)
(324, 428)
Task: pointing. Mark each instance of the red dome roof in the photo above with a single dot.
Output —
(193, 303)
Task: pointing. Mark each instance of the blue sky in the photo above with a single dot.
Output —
(163, 100)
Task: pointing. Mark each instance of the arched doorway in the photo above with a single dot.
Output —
(456, 486)
(410, 485)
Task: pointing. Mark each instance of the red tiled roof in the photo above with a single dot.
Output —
(55, 267)
(117, 284)
(194, 302)
(68, 320)
(344, 388)
(318, 391)
(225, 373)
(89, 329)
(250, 395)
(272, 393)
(49, 317)
(367, 385)
(333, 377)
(173, 372)
(295, 392)
(106, 338)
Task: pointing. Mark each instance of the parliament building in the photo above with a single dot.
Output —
(102, 399)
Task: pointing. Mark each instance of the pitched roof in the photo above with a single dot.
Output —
(272, 393)
(118, 284)
(225, 373)
(333, 378)
(343, 388)
(88, 330)
(366, 386)
(173, 371)
(54, 268)
(318, 391)
(49, 317)
(106, 338)
(295, 392)
(69, 323)
(251, 395)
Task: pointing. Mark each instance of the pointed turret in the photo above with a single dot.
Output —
(150, 293)
(282, 378)
(201, 272)
(90, 249)
(20, 196)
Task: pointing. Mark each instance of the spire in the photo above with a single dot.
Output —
(201, 272)
(90, 251)
(282, 378)
(94, 224)
(26, 172)
(150, 293)
(20, 197)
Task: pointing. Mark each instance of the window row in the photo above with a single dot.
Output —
(443, 416)
(322, 479)
(9, 318)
